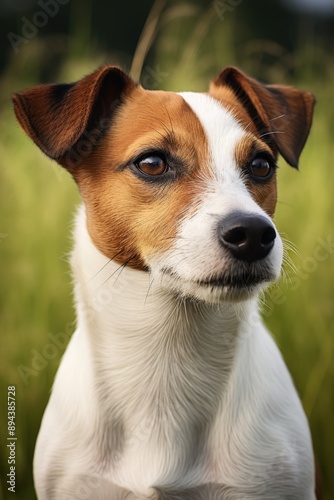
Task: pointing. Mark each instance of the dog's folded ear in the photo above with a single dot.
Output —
(57, 117)
(281, 114)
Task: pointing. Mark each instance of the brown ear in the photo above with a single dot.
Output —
(57, 116)
(281, 114)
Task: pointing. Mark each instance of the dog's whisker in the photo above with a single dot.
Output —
(277, 117)
(148, 290)
(169, 133)
(285, 203)
(285, 276)
(101, 269)
(170, 121)
(160, 133)
(273, 132)
(120, 268)
(249, 124)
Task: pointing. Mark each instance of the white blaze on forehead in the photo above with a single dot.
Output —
(223, 133)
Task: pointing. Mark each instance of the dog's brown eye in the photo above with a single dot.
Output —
(261, 168)
(152, 165)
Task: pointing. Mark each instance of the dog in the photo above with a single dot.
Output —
(171, 387)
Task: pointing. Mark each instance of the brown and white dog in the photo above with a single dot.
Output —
(171, 386)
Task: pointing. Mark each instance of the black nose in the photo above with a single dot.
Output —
(248, 237)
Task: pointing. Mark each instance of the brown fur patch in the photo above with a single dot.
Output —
(130, 218)
(265, 195)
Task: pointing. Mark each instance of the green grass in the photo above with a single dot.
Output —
(37, 203)
(35, 295)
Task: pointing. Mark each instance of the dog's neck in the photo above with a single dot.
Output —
(146, 338)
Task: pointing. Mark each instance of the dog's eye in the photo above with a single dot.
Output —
(261, 168)
(152, 165)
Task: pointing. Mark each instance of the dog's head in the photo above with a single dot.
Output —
(181, 185)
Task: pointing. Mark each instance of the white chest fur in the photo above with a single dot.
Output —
(168, 393)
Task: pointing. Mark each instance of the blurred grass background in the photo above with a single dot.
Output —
(182, 47)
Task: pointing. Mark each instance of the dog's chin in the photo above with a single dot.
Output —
(224, 288)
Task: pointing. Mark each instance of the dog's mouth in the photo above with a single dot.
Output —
(237, 285)
(236, 281)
